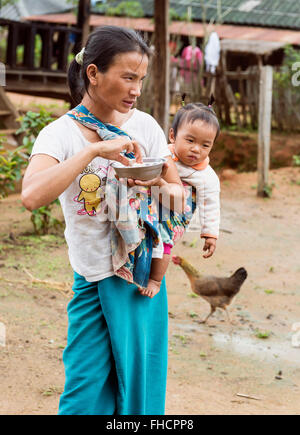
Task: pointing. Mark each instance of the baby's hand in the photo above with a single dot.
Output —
(210, 246)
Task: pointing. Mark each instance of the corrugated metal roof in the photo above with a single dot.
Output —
(266, 13)
(23, 8)
(225, 31)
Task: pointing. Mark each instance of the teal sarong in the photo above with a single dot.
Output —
(116, 355)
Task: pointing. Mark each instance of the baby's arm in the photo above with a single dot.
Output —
(159, 267)
(209, 209)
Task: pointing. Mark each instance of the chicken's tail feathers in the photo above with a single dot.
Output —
(240, 274)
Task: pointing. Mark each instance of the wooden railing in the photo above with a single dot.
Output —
(37, 57)
(57, 43)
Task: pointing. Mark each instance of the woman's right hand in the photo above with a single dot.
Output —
(112, 149)
(46, 178)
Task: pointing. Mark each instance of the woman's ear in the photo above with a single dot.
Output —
(171, 135)
(92, 74)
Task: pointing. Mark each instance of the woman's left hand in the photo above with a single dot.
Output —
(171, 192)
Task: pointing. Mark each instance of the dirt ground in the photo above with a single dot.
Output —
(210, 365)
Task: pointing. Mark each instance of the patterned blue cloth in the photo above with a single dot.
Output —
(136, 268)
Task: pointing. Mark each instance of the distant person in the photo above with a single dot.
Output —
(191, 59)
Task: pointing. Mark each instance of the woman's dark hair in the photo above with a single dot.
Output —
(194, 111)
(101, 48)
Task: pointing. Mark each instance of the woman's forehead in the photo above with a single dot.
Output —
(132, 60)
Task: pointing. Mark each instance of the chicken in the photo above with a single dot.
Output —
(217, 291)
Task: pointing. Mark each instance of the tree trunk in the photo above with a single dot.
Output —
(161, 64)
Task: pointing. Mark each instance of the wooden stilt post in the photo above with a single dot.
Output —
(83, 22)
(264, 128)
(161, 64)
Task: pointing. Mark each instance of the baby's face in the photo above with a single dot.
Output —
(193, 142)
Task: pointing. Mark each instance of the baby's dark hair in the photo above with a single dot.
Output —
(102, 46)
(192, 112)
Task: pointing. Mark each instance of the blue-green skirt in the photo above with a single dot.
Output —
(116, 355)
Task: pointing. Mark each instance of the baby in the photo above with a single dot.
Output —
(193, 133)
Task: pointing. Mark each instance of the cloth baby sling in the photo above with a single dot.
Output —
(132, 238)
(172, 225)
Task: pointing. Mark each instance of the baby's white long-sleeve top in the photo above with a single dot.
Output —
(207, 184)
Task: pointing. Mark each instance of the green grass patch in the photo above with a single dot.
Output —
(262, 335)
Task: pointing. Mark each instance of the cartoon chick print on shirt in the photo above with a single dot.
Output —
(90, 193)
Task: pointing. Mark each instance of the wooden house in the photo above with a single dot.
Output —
(251, 32)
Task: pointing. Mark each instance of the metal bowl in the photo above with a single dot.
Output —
(149, 169)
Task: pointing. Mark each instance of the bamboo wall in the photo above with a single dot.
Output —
(236, 94)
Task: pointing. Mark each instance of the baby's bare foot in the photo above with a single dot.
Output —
(152, 288)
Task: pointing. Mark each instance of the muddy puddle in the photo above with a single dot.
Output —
(245, 343)
(266, 350)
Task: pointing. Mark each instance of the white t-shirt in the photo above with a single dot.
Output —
(88, 233)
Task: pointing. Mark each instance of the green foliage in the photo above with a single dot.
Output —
(3, 43)
(11, 164)
(283, 76)
(132, 9)
(43, 220)
(20, 54)
(31, 125)
(173, 15)
(268, 189)
(263, 335)
(71, 57)
(8, 2)
(193, 244)
(38, 44)
(187, 16)
(296, 160)
(126, 8)
(73, 3)
(192, 295)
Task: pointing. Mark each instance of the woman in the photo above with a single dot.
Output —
(116, 355)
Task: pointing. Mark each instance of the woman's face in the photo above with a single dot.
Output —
(120, 86)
